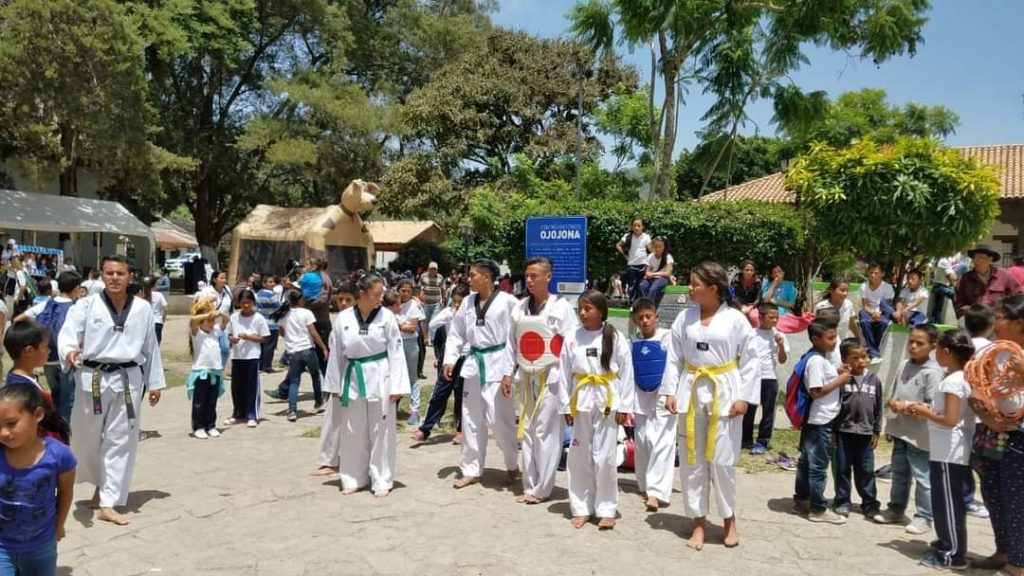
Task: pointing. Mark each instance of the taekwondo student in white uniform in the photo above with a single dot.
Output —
(110, 338)
(483, 322)
(711, 377)
(655, 427)
(367, 375)
(540, 422)
(596, 394)
(329, 454)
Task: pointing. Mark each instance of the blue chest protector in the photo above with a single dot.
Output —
(649, 360)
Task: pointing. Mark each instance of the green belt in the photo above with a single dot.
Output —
(357, 364)
(479, 354)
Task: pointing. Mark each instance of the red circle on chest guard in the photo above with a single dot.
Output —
(531, 346)
(556, 345)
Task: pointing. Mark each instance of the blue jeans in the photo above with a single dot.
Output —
(937, 303)
(653, 288)
(39, 562)
(304, 360)
(910, 463)
(62, 388)
(634, 275)
(812, 468)
(874, 331)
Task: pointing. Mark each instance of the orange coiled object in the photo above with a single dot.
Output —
(992, 377)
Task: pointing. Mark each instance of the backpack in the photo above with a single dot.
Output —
(649, 360)
(52, 317)
(798, 399)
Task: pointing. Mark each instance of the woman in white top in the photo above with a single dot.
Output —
(596, 396)
(409, 323)
(247, 331)
(158, 302)
(659, 269)
(836, 297)
(712, 375)
(366, 370)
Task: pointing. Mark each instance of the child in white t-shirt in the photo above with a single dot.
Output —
(206, 382)
(876, 312)
(912, 307)
(247, 331)
(950, 430)
(773, 348)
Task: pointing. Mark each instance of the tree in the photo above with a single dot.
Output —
(514, 94)
(894, 203)
(209, 64)
(73, 92)
(624, 117)
(739, 50)
(857, 115)
(708, 167)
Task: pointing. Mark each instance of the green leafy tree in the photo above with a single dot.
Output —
(73, 93)
(513, 94)
(624, 116)
(739, 51)
(893, 203)
(725, 162)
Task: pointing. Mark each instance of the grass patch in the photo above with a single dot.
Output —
(788, 441)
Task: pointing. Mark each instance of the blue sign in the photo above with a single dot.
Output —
(563, 239)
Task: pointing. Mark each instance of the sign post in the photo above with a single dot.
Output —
(563, 239)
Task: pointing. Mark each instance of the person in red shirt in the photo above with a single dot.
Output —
(1017, 270)
(984, 283)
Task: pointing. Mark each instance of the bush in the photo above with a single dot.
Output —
(726, 232)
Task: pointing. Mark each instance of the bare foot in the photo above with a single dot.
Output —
(111, 515)
(349, 491)
(732, 535)
(465, 481)
(643, 496)
(324, 471)
(606, 524)
(531, 499)
(381, 493)
(652, 504)
(578, 521)
(523, 498)
(696, 540)
(94, 502)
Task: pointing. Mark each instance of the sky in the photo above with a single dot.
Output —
(972, 62)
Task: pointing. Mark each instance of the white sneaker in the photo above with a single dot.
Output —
(826, 516)
(252, 423)
(919, 526)
(876, 361)
(200, 434)
(213, 433)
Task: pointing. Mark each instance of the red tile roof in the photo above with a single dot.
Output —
(1009, 160)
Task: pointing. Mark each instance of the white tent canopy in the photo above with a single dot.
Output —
(68, 214)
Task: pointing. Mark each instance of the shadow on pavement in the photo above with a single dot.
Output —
(136, 500)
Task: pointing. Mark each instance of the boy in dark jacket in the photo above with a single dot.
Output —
(858, 428)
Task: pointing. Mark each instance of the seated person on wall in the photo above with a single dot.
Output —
(659, 270)
(876, 313)
(913, 301)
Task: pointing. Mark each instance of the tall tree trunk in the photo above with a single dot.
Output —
(69, 162)
(203, 216)
(653, 122)
(670, 72)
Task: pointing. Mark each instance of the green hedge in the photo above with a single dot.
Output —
(725, 232)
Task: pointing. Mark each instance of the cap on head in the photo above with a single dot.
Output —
(432, 266)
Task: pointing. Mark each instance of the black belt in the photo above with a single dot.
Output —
(111, 367)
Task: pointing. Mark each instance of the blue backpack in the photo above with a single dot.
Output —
(649, 361)
(798, 399)
(52, 317)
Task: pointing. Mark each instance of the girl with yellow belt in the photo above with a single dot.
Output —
(711, 375)
(596, 395)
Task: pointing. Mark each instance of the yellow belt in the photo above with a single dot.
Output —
(542, 378)
(711, 373)
(604, 380)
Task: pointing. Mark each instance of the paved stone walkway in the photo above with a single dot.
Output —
(244, 505)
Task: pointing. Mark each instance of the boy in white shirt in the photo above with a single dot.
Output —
(823, 382)
(913, 301)
(876, 311)
(773, 347)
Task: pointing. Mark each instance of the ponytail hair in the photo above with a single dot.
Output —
(31, 399)
(293, 300)
(598, 300)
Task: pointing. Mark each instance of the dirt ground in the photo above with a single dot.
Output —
(243, 504)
